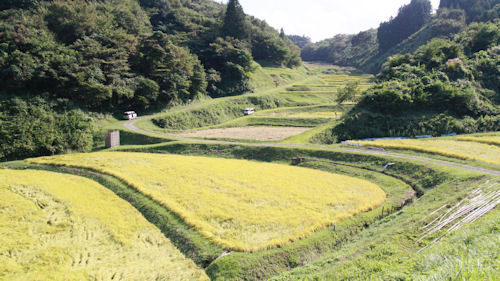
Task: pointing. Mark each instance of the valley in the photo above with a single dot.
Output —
(245, 162)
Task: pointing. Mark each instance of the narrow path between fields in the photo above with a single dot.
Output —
(131, 126)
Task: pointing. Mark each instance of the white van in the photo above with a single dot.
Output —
(249, 111)
(129, 115)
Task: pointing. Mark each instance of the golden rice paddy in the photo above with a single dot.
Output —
(241, 205)
(304, 114)
(466, 150)
(62, 227)
(495, 140)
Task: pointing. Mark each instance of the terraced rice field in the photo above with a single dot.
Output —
(333, 92)
(466, 150)
(61, 227)
(494, 140)
(330, 86)
(318, 114)
(247, 133)
(241, 205)
(323, 111)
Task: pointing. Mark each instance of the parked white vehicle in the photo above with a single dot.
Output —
(249, 111)
(129, 115)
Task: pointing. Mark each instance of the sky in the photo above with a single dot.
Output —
(321, 19)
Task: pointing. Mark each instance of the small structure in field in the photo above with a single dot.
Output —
(112, 139)
(298, 160)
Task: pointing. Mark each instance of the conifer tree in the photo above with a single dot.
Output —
(282, 34)
(235, 24)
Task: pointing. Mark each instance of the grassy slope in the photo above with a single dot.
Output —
(227, 112)
(389, 249)
(409, 45)
(299, 116)
(62, 227)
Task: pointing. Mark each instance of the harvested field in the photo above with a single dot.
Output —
(248, 133)
(240, 205)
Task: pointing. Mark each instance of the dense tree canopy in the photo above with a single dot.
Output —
(344, 50)
(115, 55)
(475, 10)
(108, 54)
(445, 86)
(33, 128)
(300, 41)
(413, 27)
(410, 18)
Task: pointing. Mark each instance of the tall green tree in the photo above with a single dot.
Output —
(235, 24)
(348, 93)
(410, 19)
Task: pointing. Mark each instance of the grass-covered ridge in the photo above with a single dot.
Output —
(397, 248)
(63, 227)
(240, 205)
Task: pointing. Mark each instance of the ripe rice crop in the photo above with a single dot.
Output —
(316, 85)
(310, 113)
(456, 149)
(315, 115)
(494, 140)
(241, 205)
(310, 92)
(346, 78)
(62, 227)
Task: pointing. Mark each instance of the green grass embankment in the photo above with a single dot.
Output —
(265, 264)
(394, 248)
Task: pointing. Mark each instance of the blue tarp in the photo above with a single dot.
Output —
(449, 135)
(386, 138)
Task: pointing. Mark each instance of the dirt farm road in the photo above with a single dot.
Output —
(131, 126)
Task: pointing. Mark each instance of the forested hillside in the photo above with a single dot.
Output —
(112, 55)
(445, 86)
(414, 26)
